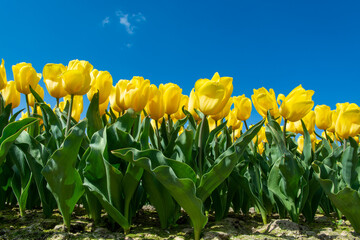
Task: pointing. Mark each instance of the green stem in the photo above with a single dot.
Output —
(27, 104)
(344, 144)
(169, 127)
(284, 131)
(233, 135)
(246, 126)
(1, 102)
(158, 135)
(57, 102)
(69, 115)
(200, 145)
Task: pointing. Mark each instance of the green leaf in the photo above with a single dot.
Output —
(177, 177)
(225, 163)
(4, 117)
(349, 160)
(103, 180)
(307, 149)
(63, 179)
(10, 133)
(93, 116)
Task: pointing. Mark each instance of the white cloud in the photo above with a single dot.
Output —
(128, 20)
(106, 21)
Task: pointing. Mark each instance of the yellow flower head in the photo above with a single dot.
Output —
(52, 77)
(25, 76)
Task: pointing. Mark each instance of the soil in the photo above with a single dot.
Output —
(146, 226)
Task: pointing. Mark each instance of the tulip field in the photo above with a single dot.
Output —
(142, 144)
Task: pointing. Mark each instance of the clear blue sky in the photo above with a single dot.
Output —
(275, 44)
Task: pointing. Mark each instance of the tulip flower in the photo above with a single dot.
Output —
(260, 148)
(120, 93)
(11, 95)
(225, 112)
(348, 121)
(309, 121)
(76, 78)
(334, 116)
(297, 104)
(183, 103)
(40, 91)
(172, 97)
(136, 94)
(232, 121)
(25, 76)
(112, 98)
(265, 101)
(300, 142)
(3, 79)
(243, 107)
(100, 81)
(155, 105)
(193, 104)
(52, 77)
(213, 94)
(323, 117)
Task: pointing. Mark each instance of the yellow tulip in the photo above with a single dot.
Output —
(11, 95)
(193, 104)
(3, 79)
(323, 117)
(113, 103)
(291, 127)
(212, 123)
(334, 116)
(136, 93)
(223, 113)
(264, 101)
(172, 96)
(243, 107)
(213, 94)
(348, 121)
(297, 104)
(23, 115)
(309, 121)
(76, 78)
(183, 103)
(25, 76)
(78, 106)
(330, 135)
(155, 105)
(103, 107)
(261, 136)
(300, 142)
(232, 121)
(100, 81)
(120, 93)
(260, 148)
(52, 77)
(40, 91)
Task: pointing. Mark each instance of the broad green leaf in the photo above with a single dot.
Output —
(63, 179)
(4, 117)
(349, 160)
(225, 163)
(10, 133)
(93, 116)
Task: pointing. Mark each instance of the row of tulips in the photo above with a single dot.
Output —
(155, 145)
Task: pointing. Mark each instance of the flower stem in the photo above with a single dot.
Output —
(158, 135)
(284, 130)
(200, 145)
(27, 104)
(69, 115)
(246, 126)
(57, 102)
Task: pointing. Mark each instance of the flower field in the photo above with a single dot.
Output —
(190, 157)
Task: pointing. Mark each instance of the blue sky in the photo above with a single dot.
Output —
(271, 44)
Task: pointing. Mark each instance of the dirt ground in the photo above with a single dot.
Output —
(147, 226)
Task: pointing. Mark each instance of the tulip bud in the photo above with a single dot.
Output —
(155, 105)
(52, 77)
(3, 79)
(243, 107)
(11, 95)
(265, 101)
(213, 94)
(25, 76)
(113, 103)
(76, 78)
(297, 104)
(323, 117)
(172, 96)
(40, 91)
(309, 121)
(136, 93)
(334, 116)
(348, 121)
(193, 104)
(232, 121)
(120, 93)
(100, 81)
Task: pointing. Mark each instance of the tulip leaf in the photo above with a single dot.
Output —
(15, 115)
(10, 133)
(210, 140)
(225, 163)
(349, 160)
(177, 177)
(103, 180)
(346, 200)
(4, 117)
(145, 131)
(307, 155)
(93, 116)
(126, 121)
(36, 95)
(63, 179)
(184, 147)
